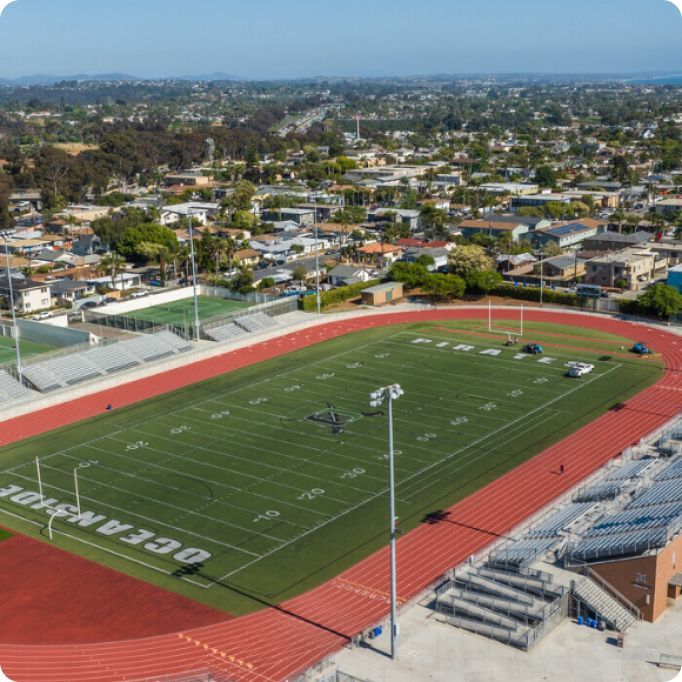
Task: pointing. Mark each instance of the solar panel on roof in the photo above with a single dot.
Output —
(562, 230)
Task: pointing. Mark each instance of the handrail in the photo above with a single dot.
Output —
(612, 591)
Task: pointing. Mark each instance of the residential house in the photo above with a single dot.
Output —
(188, 179)
(123, 281)
(630, 269)
(669, 207)
(247, 257)
(29, 295)
(200, 211)
(615, 241)
(343, 275)
(88, 245)
(382, 254)
(440, 256)
(566, 235)
(300, 216)
(68, 290)
(402, 216)
(514, 230)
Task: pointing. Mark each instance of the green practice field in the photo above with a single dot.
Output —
(180, 313)
(257, 485)
(8, 352)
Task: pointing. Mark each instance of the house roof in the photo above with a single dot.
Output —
(490, 224)
(377, 248)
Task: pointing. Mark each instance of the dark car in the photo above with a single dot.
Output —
(90, 304)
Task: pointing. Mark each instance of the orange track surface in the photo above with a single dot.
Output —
(279, 642)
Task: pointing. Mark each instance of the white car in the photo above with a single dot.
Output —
(42, 316)
(580, 369)
(141, 293)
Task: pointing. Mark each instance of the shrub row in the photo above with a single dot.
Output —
(327, 298)
(533, 294)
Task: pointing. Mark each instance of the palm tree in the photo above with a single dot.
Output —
(112, 264)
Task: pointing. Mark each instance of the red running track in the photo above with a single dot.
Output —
(279, 642)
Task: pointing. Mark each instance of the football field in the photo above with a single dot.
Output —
(256, 485)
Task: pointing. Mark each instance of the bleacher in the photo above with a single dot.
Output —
(258, 322)
(225, 333)
(648, 521)
(75, 368)
(555, 524)
(11, 391)
(514, 607)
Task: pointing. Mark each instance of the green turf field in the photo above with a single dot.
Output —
(8, 352)
(180, 313)
(278, 490)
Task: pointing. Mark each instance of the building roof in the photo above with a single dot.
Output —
(490, 224)
(379, 288)
(376, 248)
(568, 229)
(618, 238)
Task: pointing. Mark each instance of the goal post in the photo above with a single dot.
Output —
(506, 331)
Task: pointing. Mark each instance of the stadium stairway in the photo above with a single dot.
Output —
(603, 604)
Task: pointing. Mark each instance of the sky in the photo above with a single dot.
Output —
(300, 38)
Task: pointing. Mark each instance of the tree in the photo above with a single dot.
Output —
(483, 281)
(266, 283)
(300, 274)
(469, 258)
(240, 199)
(545, 176)
(444, 286)
(243, 280)
(111, 265)
(620, 169)
(661, 300)
(412, 275)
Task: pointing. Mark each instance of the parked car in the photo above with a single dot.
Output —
(90, 304)
(42, 316)
(579, 369)
(139, 294)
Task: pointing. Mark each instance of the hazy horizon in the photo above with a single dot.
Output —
(307, 39)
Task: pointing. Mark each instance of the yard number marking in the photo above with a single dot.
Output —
(258, 401)
(515, 394)
(387, 456)
(353, 473)
(324, 377)
(459, 421)
(180, 429)
(311, 494)
(354, 365)
(488, 407)
(268, 516)
(382, 356)
(220, 415)
(427, 437)
(541, 380)
(137, 445)
(292, 389)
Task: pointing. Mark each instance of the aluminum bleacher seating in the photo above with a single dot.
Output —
(258, 322)
(11, 391)
(554, 524)
(225, 333)
(74, 368)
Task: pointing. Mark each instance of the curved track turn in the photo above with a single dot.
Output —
(279, 642)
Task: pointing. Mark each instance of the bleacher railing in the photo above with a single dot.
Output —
(611, 591)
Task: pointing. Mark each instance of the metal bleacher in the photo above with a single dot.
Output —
(258, 322)
(74, 368)
(227, 332)
(553, 525)
(647, 522)
(11, 391)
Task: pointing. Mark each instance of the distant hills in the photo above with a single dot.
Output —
(48, 79)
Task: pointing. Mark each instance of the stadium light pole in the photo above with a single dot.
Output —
(317, 261)
(14, 312)
(387, 395)
(190, 220)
